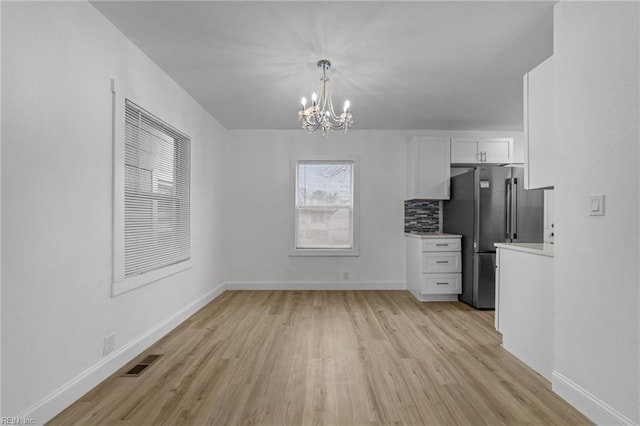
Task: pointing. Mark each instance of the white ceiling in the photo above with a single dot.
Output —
(403, 65)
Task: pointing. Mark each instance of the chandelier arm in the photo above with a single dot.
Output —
(311, 126)
(310, 122)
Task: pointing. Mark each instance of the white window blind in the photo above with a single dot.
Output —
(324, 207)
(156, 193)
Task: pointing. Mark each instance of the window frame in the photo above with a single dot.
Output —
(293, 217)
(119, 283)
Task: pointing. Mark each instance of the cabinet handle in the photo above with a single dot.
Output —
(484, 156)
(442, 283)
(442, 245)
(442, 261)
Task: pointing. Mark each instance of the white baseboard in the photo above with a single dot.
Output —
(54, 403)
(313, 285)
(595, 409)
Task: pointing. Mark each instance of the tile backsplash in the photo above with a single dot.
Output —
(421, 216)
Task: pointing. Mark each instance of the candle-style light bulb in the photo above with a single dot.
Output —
(347, 104)
(303, 101)
(314, 98)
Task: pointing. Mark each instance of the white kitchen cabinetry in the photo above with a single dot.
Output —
(524, 303)
(428, 168)
(434, 266)
(475, 151)
(538, 126)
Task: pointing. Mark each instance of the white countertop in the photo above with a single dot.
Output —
(431, 235)
(542, 249)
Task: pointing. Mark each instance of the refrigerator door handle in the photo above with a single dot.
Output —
(514, 209)
(508, 208)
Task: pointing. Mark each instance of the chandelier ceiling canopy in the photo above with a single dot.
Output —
(320, 114)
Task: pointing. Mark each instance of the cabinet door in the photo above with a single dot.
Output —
(539, 126)
(429, 168)
(496, 150)
(526, 308)
(464, 151)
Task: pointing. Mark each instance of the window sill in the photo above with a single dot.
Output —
(134, 282)
(324, 252)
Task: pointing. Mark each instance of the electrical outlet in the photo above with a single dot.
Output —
(109, 344)
(345, 276)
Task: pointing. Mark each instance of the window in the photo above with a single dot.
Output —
(324, 208)
(152, 191)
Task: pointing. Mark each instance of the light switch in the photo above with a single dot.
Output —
(597, 205)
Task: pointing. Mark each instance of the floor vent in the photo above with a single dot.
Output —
(142, 366)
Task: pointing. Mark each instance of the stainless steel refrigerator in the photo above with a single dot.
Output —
(489, 204)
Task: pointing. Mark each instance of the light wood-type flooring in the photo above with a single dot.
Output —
(327, 358)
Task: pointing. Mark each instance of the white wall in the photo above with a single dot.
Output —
(57, 197)
(597, 279)
(257, 200)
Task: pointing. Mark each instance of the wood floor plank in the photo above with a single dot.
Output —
(327, 358)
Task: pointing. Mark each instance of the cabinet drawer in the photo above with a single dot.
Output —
(441, 284)
(441, 244)
(441, 262)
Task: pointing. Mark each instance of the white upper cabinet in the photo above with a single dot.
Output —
(491, 151)
(465, 151)
(496, 150)
(538, 126)
(428, 168)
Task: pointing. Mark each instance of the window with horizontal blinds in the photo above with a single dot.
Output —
(156, 193)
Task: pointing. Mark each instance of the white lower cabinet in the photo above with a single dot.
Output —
(524, 303)
(434, 266)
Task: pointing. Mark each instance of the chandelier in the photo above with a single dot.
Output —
(320, 115)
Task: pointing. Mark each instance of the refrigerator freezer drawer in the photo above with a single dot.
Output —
(441, 244)
(441, 284)
(441, 262)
